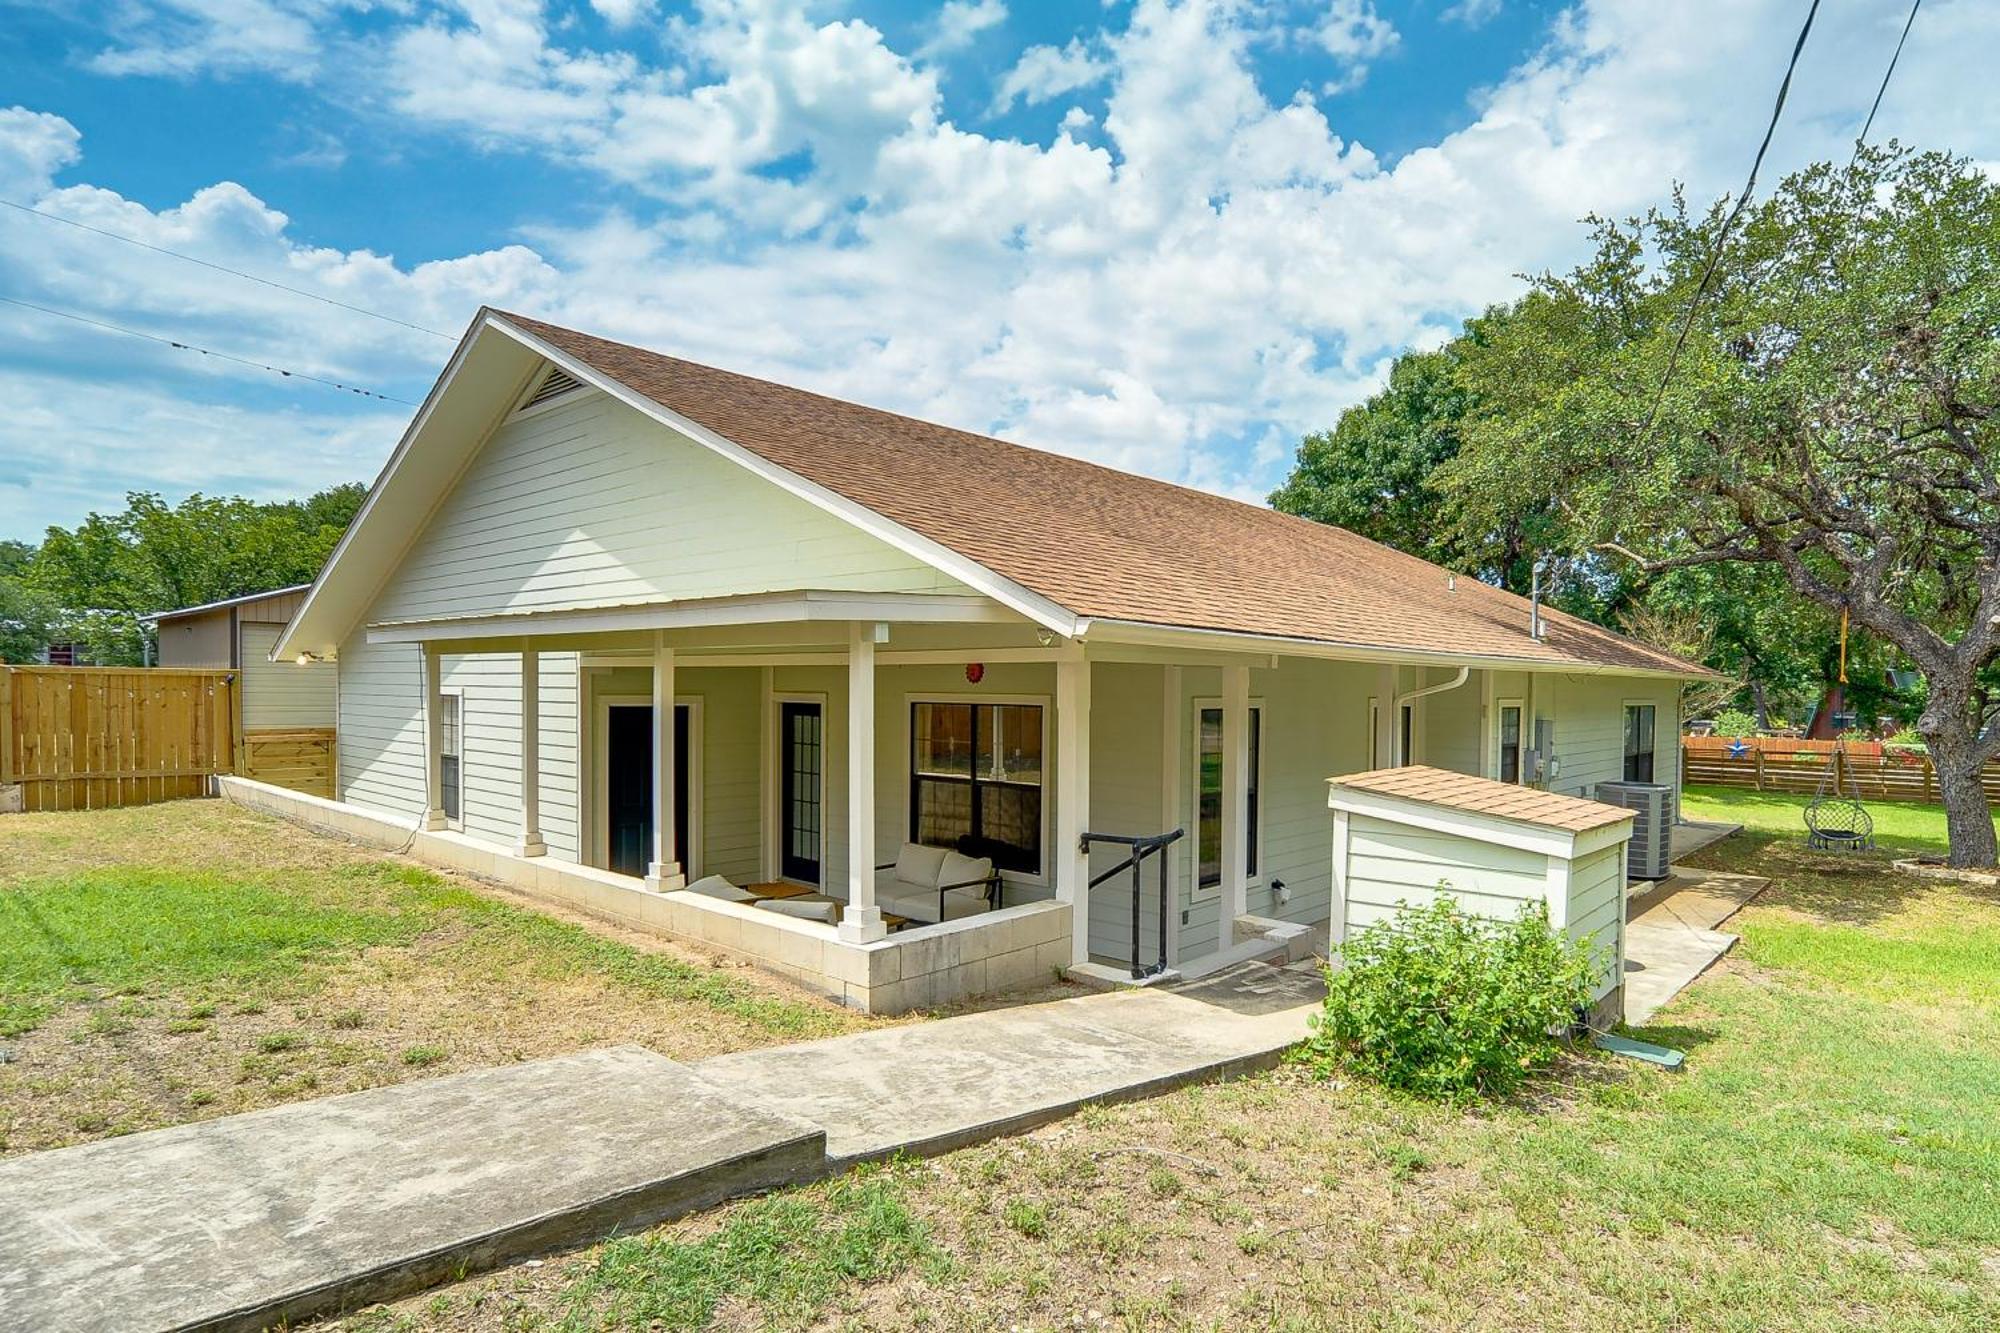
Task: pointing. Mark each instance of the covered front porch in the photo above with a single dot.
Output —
(883, 796)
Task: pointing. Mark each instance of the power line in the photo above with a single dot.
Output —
(224, 268)
(1722, 237)
(1887, 74)
(205, 351)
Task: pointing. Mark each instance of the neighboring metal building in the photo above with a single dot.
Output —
(239, 633)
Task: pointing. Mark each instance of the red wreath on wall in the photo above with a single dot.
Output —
(975, 672)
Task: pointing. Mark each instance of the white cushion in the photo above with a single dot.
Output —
(808, 909)
(960, 870)
(919, 865)
(715, 886)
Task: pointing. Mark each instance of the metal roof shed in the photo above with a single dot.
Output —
(1408, 835)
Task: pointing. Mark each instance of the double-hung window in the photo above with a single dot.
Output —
(450, 765)
(1639, 742)
(1208, 812)
(976, 780)
(1508, 749)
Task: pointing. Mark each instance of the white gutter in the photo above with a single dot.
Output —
(1464, 674)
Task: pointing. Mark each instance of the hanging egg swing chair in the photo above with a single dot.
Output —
(1837, 823)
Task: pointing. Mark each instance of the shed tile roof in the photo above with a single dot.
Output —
(1108, 544)
(1484, 796)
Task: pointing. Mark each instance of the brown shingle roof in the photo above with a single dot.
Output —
(1484, 796)
(1102, 543)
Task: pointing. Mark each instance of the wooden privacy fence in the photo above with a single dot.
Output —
(300, 758)
(1772, 763)
(89, 738)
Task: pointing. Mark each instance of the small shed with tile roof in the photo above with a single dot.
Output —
(1407, 836)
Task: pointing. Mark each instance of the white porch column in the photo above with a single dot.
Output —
(1071, 862)
(531, 843)
(433, 737)
(1235, 800)
(664, 873)
(861, 919)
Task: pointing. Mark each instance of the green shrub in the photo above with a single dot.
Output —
(1448, 1006)
(1735, 722)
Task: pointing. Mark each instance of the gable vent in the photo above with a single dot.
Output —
(555, 385)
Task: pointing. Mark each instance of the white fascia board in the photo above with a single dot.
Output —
(1458, 823)
(1028, 603)
(1101, 630)
(383, 480)
(755, 609)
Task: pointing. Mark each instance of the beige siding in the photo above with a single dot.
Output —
(1451, 722)
(281, 695)
(1590, 727)
(196, 641)
(1127, 730)
(381, 738)
(1390, 863)
(592, 504)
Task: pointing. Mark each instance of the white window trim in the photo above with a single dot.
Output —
(1045, 702)
(769, 785)
(600, 775)
(1500, 707)
(1653, 704)
(1204, 892)
(457, 693)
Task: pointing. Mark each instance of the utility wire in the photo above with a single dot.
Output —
(224, 268)
(1887, 74)
(205, 351)
(1729, 222)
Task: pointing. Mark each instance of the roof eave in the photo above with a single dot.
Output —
(1139, 631)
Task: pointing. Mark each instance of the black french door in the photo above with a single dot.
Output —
(802, 768)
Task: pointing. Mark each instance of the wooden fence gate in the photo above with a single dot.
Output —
(89, 738)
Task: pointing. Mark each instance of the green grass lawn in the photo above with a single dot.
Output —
(1829, 1160)
(1900, 826)
(193, 959)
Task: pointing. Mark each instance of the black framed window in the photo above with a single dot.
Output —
(1208, 817)
(1510, 742)
(976, 780)
(450, 781)
(1639, 742)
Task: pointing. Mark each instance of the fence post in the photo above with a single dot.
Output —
(6, 724)
(232, 703)
(1929, 775)
(1758, 751)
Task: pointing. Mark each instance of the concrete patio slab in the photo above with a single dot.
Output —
(1691, 835)
(245, 1221)
(931, 1087)
(1673, 935)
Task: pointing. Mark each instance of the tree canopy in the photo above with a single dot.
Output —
(89, 584)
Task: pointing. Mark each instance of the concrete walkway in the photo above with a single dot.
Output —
(1673, 935)
(240, 1222)
(931, 1087)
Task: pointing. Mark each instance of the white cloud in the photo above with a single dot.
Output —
(1209, 275)
(1044, 73)
(623, 13)
(1472, 13)
(183, 38)
(959, 23)
(1355, 36)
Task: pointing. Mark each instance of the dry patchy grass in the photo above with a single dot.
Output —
(182, 961)
(1830, 1160)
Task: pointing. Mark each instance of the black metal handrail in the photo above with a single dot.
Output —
(1142, 847)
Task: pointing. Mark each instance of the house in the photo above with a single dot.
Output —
(677, 645)
(286, 706)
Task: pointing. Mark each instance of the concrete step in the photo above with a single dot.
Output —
(1256, 950)
(1109, 976)
(258, 1219)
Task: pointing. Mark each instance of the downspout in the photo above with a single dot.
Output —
(1464, 674)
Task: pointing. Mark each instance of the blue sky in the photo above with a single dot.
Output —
(1171, 237)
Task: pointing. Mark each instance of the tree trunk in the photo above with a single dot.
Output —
(1761, 705)
(1954, 753)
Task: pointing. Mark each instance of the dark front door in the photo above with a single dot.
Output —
(628, 797)
(803, 748)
